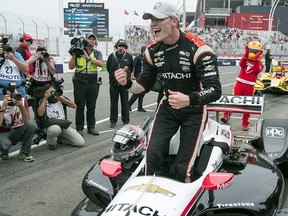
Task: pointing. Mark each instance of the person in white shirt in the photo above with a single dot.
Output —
(51, 106)
(15, 125)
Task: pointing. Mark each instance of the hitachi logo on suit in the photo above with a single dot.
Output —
(170, 75)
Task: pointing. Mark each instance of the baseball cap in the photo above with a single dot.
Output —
(27, 37)
(91, 35)
(121, 42)
(162, 10)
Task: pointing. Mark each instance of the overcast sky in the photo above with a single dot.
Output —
(49, 9)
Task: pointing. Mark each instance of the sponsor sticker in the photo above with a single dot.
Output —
(159, 53)
(242, 204)
(152, 189)
(132, 209)
(274, 132)
(206, 58)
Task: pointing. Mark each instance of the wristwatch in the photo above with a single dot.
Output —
(2, 110)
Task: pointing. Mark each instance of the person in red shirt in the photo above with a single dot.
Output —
(26, 41)
(251, 66)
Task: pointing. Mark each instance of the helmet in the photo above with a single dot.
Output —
(130, 142)
(254, 47)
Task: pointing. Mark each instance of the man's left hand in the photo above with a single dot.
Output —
(178, 100)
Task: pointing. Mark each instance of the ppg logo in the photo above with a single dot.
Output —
(275, 132)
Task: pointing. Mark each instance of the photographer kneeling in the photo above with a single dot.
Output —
(53, 113)
(15, 124)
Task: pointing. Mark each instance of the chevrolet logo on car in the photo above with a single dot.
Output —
(151, 189)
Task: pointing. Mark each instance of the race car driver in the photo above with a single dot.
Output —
(190, 76)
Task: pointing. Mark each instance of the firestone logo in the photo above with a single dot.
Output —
(274, 132)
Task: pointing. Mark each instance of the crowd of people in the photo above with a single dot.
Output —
(33, 83)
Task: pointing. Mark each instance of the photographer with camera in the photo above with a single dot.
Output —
(15, 124)
(51, 108)
(13, 68)
(26, 41)
(44, 69)
(86, 82)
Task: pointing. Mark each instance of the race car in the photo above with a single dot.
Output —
(232, 176)
(276, 81)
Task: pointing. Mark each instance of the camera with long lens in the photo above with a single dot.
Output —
(77, 46)
(45, 54)
(4, 44)
(57, 86)
(13, 95)
(57, 82)
(39, 91)
(56, 92)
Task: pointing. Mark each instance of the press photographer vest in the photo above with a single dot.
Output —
(13, 114)
(9, 72)
(55, 110)
(82, 64)
(41, 71)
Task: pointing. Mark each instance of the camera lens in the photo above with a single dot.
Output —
(45, 55)
(58, 92)
(16, 97)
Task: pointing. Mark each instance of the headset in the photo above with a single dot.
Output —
(26, 37)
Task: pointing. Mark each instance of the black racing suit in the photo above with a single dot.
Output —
(268, 61)
(137, 70)
(189, 67)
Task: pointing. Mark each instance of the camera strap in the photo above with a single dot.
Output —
(2, 62)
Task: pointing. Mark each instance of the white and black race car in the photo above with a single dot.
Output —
(233, 176)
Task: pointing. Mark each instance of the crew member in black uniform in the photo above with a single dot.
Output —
(138, 61)
(268, 60)
(119, 59)
(189, 71)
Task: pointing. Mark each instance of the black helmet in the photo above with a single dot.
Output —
(129, 141)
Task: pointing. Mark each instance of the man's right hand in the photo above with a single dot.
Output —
(47, 94)
(121, 75)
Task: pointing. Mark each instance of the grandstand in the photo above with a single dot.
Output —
(244, 14)
(227, 25)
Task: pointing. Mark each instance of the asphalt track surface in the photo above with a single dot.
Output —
(51, 185)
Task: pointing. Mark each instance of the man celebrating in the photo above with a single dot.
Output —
(188, 68)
